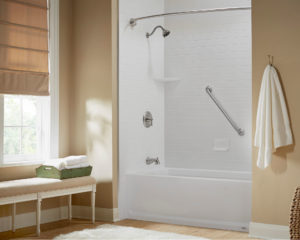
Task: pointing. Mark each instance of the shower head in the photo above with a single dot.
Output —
(165, 32)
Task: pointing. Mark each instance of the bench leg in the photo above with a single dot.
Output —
(13, 217)
(38, 216)
(70, 206)
(93, 195)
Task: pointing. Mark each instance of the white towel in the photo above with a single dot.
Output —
(75, 160)
(57, 163)
(81, 165)
(68, 162)
(272, 120)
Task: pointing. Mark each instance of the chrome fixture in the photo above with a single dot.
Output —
(133, 21)
(148, 119)
(165, 32)
(152, 160)
(239, 130)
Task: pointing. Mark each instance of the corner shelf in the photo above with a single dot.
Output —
(167, 79)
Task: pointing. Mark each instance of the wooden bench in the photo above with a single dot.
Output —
(22, 190)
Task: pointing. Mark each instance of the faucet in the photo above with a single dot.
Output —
(152, 160)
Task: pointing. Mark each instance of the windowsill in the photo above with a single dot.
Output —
(20, 164)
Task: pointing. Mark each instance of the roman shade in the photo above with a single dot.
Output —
(24, 47)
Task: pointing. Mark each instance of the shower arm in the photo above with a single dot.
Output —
(239, 130)
(150, 34)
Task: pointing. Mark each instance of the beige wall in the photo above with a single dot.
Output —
(91, 94)
(276, 31)
(88, 99)
(65, 74)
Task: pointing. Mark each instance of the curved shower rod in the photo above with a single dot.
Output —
(133, 21)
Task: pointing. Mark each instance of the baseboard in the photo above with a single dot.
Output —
(268, 231)
(56, 214)
(225, 225)
(29, 219)
(101, 214)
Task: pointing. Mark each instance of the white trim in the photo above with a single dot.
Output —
(29, 219)
(47, 194)
(102, 214)
(66, 191)
(1, 128)
(195, 222)
(25, 163)
(17, 199)
(54, 78)
(45, 128)
(268, 231)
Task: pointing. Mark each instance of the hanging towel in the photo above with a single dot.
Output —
(272, 120)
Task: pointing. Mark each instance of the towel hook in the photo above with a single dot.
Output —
(270, 59)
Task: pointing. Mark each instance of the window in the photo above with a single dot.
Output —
(26, 52)
(25, 129)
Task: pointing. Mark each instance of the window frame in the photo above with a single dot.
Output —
(43, 124)
(48, 114)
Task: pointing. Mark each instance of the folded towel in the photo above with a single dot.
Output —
(68, 162)
(272, 121)
(75, 160)
(57, 163)
(81, 165)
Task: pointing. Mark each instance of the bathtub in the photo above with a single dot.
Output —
(205, 198)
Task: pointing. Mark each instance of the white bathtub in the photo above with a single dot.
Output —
(206, 198)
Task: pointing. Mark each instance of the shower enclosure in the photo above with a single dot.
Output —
(185, 112)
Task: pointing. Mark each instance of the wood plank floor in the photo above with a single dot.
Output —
(51, 230)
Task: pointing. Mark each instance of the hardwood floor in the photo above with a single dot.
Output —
(50, 230)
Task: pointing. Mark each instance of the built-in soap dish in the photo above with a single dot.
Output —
(167, 79)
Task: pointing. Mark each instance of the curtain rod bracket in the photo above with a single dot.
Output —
(132, 22)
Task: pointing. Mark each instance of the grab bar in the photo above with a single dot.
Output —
(239, 130)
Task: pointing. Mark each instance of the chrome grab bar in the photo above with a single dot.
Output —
(239, 130)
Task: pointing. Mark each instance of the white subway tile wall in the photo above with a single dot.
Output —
(208, 49)
(140, 61)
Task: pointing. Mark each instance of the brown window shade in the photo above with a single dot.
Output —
(24, 47)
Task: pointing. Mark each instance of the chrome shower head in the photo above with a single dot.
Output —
(165, 32)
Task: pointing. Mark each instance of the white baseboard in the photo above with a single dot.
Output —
(225, 225)
(101, 214)
(268, 231)
(56, 214)
(29, 219)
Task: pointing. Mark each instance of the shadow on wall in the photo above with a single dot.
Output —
(99, 151)
(99, 138)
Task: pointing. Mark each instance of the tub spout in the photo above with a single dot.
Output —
(152, 160)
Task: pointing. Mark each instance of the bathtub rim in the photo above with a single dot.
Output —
(194, 174)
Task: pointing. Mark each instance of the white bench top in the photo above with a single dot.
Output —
(35, 185)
